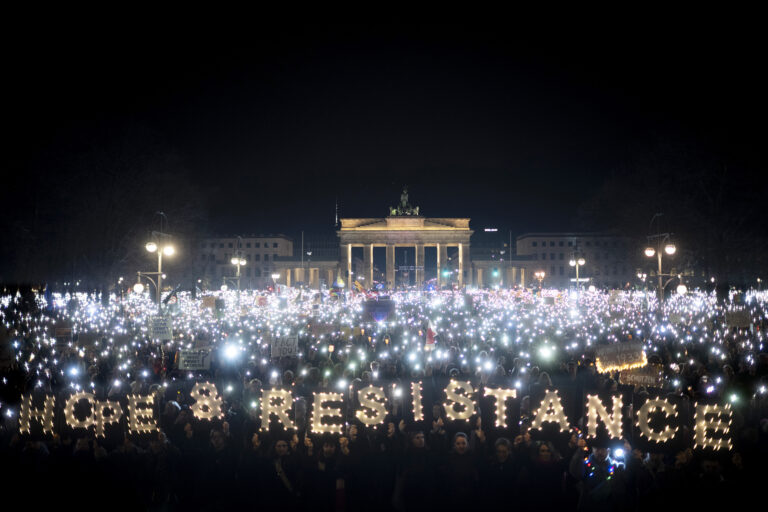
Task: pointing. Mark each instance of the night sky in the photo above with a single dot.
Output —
(513, 133)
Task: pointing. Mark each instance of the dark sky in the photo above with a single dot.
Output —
(511, 132)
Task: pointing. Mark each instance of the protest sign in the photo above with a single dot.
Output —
(655, 419)
(378, 310)
(651, 375)
(620, 356)
(194, 360)
(740, 319)
(160, 327)
(209, 302)
(287, 346)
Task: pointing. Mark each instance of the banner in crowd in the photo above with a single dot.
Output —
(651, 422)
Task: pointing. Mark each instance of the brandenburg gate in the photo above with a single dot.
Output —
(404, 227)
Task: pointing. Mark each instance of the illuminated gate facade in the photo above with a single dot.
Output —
(407, 230)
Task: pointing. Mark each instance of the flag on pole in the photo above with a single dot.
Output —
(339, 281)
(358, 287)
(430, 336)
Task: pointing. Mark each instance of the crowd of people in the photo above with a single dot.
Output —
(513, 338)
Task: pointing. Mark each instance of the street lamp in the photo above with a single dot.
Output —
(660, 240)
(577, 262)
(540, 276)
(152, 247)
(308, 280)
(238, 262)
(642, 276)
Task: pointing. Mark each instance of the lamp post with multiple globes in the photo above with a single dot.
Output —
(577, 261)
(656, 244)
(166, 250)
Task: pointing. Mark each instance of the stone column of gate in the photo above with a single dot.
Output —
(442, 260)
(390, 266)
(419, 262)
(368, 266)
(467, 263)
(461, 265)
(346, 263)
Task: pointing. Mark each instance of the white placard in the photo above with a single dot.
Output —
(161, 328)
(285, 347)
(194, 360)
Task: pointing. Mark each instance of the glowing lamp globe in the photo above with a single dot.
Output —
(650, 252)
(151, 247)
(138, 288)
(592, 288)
(235, 261)
(231, 352)
(682, 289)
(224, 287)
(169, 250)
(670, 249)
(582, 261)
(572, 263)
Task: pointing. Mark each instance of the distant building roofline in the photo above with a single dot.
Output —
(245, 237)
(572, 234)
